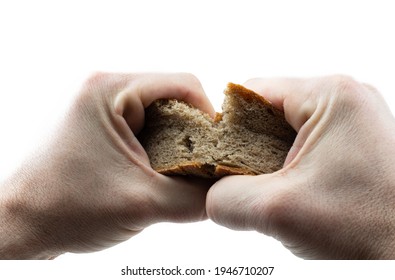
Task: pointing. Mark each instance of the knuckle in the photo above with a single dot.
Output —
(95, 79)
(349, 93)
(370, 87)
(372, 90)
(276, 213)
(90, 91)
(188, 81)
(189, 86)
(342, 84)
(188, 77)
(104, 81)
(346, 84)
(100, 87)
(97, 76)
(253, 81)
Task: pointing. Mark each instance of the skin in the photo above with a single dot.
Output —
(92, 186)
(335, 196)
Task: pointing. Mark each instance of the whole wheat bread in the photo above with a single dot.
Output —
(249, 137)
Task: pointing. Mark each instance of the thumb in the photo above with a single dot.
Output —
(267, 203)
(264, 203)
(143, 89)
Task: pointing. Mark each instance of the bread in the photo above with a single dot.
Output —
(249, 137)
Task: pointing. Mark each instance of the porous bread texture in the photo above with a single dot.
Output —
(249, 137)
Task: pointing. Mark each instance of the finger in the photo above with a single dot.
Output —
(259, 203)
(303, 101)
(177, 199)
(145, 88)
(227, 200)
(181, 86)
(291, 95)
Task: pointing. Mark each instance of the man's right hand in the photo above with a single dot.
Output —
(335, 196)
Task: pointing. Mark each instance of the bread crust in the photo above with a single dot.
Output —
(204, 170)
(251, 96)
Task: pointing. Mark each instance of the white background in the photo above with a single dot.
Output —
(47, 49)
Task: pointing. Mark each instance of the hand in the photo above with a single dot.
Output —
(335, 196)
(92, 186)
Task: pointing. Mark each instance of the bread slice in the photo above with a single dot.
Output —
(249, 137)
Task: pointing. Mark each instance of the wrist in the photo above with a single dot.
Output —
(19, 231)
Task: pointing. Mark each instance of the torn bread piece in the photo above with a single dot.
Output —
(249, 137)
